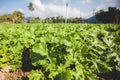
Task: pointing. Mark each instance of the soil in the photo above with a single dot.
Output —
(26, 61)
(17, 75)
(113, 75)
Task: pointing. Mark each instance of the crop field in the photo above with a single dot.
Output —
(61, 52)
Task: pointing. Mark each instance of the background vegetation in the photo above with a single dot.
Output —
(110, 16)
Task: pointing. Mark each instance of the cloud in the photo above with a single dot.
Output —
(107, 3)
(60, 2)
(100, 7)
(43, 10)
(85, 1)
(21, 10)
(110, 2)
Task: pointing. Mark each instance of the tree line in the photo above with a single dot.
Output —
(58, 19)
(18, 17)
(110, 16)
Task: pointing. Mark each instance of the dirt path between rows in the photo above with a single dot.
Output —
(5, 74)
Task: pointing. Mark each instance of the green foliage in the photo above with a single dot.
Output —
(17, 17)
(110, 16)
(66, 75)
(35, 20)
(72, 52)
(36, 75)
(6, 18)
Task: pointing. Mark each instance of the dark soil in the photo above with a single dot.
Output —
(113, 75)
(26, 61)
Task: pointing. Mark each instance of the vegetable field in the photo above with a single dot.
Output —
(60, 52)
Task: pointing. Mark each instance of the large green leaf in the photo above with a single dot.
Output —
(64, 76)
(41, 49)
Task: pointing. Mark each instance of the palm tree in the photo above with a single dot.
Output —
(30, 7)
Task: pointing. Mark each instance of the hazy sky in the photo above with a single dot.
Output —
(49, 8)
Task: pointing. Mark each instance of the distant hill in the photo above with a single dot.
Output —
(91, 19)
(26, 19)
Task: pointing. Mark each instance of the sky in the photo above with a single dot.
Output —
(50, 8)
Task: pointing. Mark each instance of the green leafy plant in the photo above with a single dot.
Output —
(57, 52)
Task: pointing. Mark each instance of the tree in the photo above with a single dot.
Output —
(6, 18)
(30, 7)
(110, 16)
(59, 19)
(100, 15)
(47, 20)
(35, 20)
(53, 19)
(17, 17)
(117, 16)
